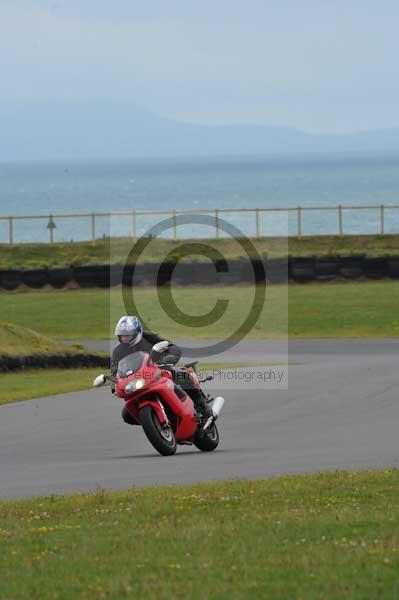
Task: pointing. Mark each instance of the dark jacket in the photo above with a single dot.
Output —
(145, 345)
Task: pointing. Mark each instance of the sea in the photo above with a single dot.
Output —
(38, 189)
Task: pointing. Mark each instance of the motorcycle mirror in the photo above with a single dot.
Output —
(160, 346)
(99, 380)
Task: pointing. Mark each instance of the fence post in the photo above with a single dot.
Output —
(174, 225)
(93, 229)
(341, 230)
(134, 224)
(299, 220)
(10, 230)
(217, 222)
(51, 226)
(382, 219)
(257, 223)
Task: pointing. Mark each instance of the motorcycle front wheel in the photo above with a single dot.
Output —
(163, 440)
(208, 440)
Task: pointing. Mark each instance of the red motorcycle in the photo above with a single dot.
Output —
(165, 412)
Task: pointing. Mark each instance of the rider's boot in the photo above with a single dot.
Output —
(200, 403)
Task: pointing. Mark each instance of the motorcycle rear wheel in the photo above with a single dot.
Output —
(208, 440)
(163, 440)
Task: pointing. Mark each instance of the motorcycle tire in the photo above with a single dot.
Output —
(208, 440)
(163, 440)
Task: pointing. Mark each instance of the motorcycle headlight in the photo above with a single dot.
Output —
(135, 385)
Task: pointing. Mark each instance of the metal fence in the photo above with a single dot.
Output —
(298, 213)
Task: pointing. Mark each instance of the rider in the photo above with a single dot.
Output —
(132, 338)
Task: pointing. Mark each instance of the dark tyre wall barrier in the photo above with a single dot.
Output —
(326, 268)
(149, 274)
(277, 270)
(67, 361)
(204, 274)
(127, 274)
(351, 267)
(241, 270)
(92, 276)
(302, 269)
(59, 278)
(165, 273)
(116, 274)
(182, 272)
(393, 267)
(35, 278)
(259, 270)
(10, 279)
(376, 268)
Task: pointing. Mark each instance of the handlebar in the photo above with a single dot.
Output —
(209, 378)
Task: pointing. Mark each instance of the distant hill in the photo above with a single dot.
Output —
(111, 130)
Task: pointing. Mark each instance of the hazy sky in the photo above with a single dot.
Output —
(319, 65)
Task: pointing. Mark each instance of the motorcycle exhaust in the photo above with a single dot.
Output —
(217, 406)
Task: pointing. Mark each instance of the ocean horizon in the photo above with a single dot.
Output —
(68, 186)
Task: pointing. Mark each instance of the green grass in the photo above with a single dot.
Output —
(19, 340)
(366, 309)
(329, 536)
(117, 249)
(24, 385)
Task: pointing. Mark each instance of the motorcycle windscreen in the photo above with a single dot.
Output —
(130, 364)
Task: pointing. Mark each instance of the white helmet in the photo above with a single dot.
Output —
(129, 325)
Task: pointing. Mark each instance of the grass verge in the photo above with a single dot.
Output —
(29, 384)
(25, 385)
(30, 256)
(366, 309)
(19, 340)
(330, 535)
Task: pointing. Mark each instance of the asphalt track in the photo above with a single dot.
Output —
(340, 411)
